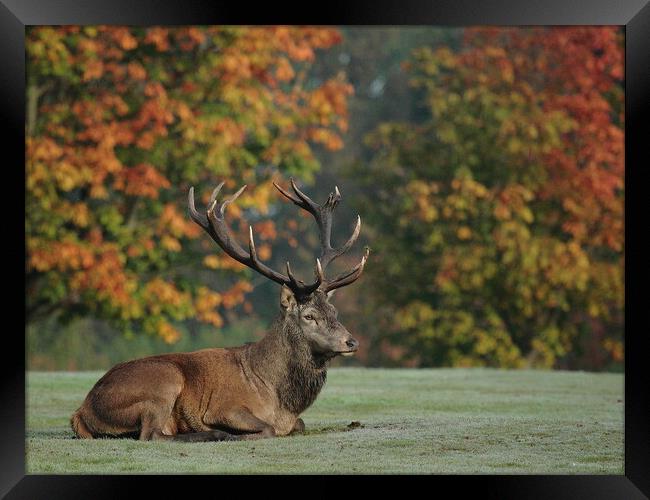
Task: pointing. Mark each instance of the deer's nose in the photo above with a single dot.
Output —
(352, 343)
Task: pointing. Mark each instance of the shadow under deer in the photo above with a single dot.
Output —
(254, 391)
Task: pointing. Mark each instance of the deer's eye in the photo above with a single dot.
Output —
(309, 317)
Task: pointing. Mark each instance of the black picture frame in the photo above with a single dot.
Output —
(15, 15)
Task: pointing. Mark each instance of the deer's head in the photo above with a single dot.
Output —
(306, 306)
(316, 321)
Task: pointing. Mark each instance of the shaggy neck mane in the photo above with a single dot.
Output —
(284, 360)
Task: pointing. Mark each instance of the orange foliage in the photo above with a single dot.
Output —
(580, 73)
(124, 120)
(508, 212)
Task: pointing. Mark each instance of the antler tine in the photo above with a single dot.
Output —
(214, 194)
(306, 289)
(334, 198)
(332, 253)
(290, 274)
(319, 270)
(200, 219)
(251, 246)
(289, 196)
(347, 273)
(348, 277)
(353, 238)
(228, 201)
(306, 199)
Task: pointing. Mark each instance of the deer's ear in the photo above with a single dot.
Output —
(287, 299)
(330, 293)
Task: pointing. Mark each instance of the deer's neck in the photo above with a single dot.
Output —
(285, 361)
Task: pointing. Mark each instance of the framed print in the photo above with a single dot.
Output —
(195, 306)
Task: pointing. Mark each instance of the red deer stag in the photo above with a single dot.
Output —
(253, 391)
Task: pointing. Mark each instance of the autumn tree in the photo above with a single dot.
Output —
(498, 220)
(121, 121)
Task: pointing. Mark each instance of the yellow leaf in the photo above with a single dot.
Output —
(211, 261)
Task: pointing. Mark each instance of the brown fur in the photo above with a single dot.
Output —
(257, 390)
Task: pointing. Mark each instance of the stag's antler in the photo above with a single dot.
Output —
(215, 225)
(213, 222)
(323, 215)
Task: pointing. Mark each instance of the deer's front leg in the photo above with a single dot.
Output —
(298, 427)
(242, 419)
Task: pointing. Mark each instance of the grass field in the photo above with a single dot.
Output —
(450, 421)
